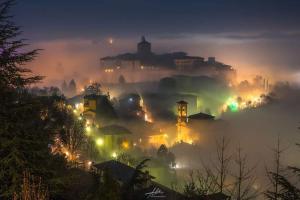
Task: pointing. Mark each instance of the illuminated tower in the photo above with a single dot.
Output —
(181, 112)
(181, 121)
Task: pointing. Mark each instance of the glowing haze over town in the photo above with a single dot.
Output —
(140, 99)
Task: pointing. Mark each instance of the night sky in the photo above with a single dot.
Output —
(255, 36)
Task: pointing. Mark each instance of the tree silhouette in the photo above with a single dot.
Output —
(72, 88)
(122, 80)
(244, 178)
(25, 126)
(12, 56)
(64, 87)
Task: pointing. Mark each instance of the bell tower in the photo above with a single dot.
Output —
(182, 129)
(181, 112)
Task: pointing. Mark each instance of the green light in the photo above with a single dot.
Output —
(233, 106)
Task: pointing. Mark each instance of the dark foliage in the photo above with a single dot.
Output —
(139, 180)
(26, 125)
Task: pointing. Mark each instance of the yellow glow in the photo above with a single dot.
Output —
(114, 155)
(184, 134)
(244, 101)
(147, 118)
(109, 70)
(99, 142)
(190, 141)
(125, 145)
(157, 140)
(88, 129)
(147, 115)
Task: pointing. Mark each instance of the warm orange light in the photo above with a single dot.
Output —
(184, 134)
(125, 145)
(159, 139)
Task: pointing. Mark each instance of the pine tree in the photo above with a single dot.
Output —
(12, 56)
(138, 181)
(64, 87)
(72, 88)
(122, 80)
(24, 126)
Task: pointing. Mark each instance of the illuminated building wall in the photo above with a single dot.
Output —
(181, 120)
(184, 133)
(89, 107)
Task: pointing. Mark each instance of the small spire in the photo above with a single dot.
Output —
(143, 39)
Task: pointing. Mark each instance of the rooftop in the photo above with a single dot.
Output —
(202, 116)
(182, 102)
(114, 130)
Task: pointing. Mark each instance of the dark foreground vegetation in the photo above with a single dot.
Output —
(29, 125)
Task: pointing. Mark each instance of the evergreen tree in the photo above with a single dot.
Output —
(122, 80)
(72, 88)
(25, 126)
(12, 58)
(64, 87)
(166, 156)
(137, 182)
(109, 188)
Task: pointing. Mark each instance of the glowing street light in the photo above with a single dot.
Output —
(114, 155)
(99, 142)
(125, 145)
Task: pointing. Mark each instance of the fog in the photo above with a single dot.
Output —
(79, 57)
(255, 130)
